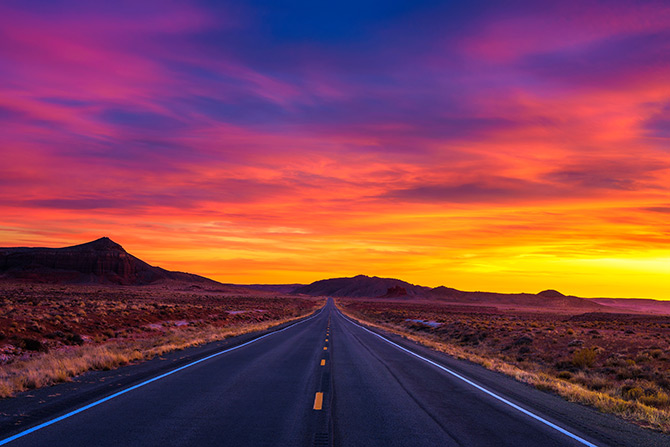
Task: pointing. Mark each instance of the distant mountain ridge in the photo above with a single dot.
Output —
(374, 287)
(101, 261)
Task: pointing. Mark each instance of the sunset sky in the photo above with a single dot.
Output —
(483, 145)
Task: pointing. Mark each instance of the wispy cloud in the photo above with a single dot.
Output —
(441, 130)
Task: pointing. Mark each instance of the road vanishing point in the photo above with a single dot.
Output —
(323, 381)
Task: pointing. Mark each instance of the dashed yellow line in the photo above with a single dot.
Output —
(326, 339)
(323, 362)
(325, 348)
(318, 401)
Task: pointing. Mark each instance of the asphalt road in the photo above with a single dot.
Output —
(327, 381)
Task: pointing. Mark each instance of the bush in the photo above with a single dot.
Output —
(584, 358)
(658, 400)
(566, 375)
(634, 392)
(74, 339)
(31, 344)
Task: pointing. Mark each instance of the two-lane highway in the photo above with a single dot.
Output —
(328, 381)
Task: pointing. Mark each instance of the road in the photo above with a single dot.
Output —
(328, 381)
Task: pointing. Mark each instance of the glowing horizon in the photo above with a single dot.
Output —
(507, 148)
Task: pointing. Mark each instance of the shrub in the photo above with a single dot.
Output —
(31, 344)
(74, 339)
(656, 353)
(584, 358)
(658, 400)
(634, 393)
(566, 375)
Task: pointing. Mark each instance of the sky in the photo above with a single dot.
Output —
(502, 146)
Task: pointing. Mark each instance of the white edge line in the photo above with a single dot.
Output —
(146, 382)
(479, 387)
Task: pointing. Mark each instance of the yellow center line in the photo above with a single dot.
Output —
(323, 362)
(325, 348)
(318, 401)
(326, 339)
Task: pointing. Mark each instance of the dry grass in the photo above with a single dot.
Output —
(50, 333)
(647, 408)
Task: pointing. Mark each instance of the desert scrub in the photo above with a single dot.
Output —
(584, 358)
(58, 366)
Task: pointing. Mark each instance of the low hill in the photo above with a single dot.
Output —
(102, 261)
(362, 286)
(545, 299)
(638, 305)
(374, 287)
(274, 288)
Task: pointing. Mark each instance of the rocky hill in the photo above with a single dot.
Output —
(102, 261)
(363, 286)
